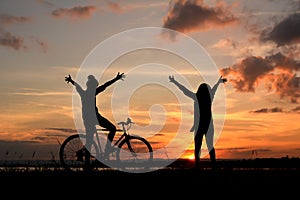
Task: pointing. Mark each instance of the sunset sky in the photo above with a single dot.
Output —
(254, 44)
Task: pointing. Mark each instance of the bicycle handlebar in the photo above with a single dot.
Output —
(128, 122)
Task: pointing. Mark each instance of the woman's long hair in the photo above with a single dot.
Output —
(204, 102)
(203, 95)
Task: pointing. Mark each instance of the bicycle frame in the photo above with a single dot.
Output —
(125, 134)
(122, 137)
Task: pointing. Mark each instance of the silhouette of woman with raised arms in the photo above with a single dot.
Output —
(203, 121)
(90, 114)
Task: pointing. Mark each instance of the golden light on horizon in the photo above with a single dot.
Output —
(191, 157)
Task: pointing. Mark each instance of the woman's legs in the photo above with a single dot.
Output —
(105, 123)
(209, 137)
(90, 131)
(197, 151)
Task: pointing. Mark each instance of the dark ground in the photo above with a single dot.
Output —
(249, 178)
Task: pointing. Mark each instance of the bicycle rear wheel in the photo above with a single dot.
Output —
(72, 153)
(134, 153)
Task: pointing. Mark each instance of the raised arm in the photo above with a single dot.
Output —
(186, 91)
(101, 88)
(69, 79)
(215, 87)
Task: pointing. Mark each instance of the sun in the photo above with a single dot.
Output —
(191, 157)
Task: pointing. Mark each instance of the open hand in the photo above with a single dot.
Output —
(171, 79)
(68, 79)
(223, 80)
(120, 76)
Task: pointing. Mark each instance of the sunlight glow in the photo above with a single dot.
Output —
(191, 157)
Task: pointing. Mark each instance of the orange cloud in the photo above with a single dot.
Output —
(278, 72)
(77, 12)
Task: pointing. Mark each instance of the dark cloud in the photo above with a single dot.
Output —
(77, 12)
(18, 42)
(6, 38)
(6, 19)
(244, 152)
(190, 15)
(247, 73)
(278, 72)
(9, 40)
(46, 3)
(297, 109)
(40, 138)
(234, 148)
(67, 130)
(286, 32)
(43, 45)
(115, 7)
(268, 110)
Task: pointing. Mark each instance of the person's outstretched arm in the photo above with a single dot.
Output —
(215, 87)
(69, 79)
(186, 91)
(101, 88)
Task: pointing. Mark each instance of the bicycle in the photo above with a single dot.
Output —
(127, 151)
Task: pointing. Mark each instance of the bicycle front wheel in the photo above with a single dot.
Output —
(72, 152)
(134, 152)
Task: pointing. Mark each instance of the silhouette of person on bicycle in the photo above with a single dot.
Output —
(203, 121)
(90, 113)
